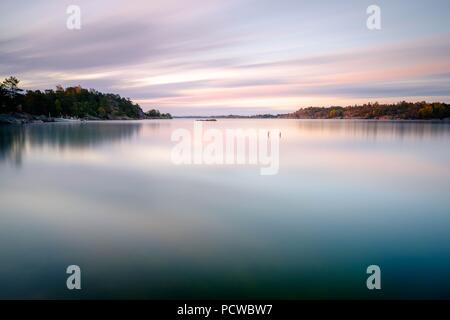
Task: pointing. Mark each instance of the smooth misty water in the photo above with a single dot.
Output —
(105, 196)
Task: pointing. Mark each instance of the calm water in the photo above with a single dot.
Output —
(106, 196)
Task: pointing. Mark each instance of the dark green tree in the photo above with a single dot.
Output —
(11, 85)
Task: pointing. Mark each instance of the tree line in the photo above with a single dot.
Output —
(402, 110)
(70, 102)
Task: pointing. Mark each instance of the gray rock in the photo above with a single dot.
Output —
(10, 119)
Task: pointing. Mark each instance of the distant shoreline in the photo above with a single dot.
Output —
(22, 119)
(371, 111)
(285, 118)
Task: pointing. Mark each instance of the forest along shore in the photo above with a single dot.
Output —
(66, 104)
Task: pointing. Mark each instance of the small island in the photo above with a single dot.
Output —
(66, 104)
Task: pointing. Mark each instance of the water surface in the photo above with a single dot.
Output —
(107, 197)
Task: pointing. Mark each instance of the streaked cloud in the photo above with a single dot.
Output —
(229, 56)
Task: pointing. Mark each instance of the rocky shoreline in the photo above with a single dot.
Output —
(25, 118)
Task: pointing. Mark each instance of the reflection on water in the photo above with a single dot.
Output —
(373, 129)
(14, 139)
(12, 143)
(106, 196)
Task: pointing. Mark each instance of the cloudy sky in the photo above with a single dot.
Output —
(209, 57)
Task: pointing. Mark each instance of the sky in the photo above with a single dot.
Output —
(214, 57)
